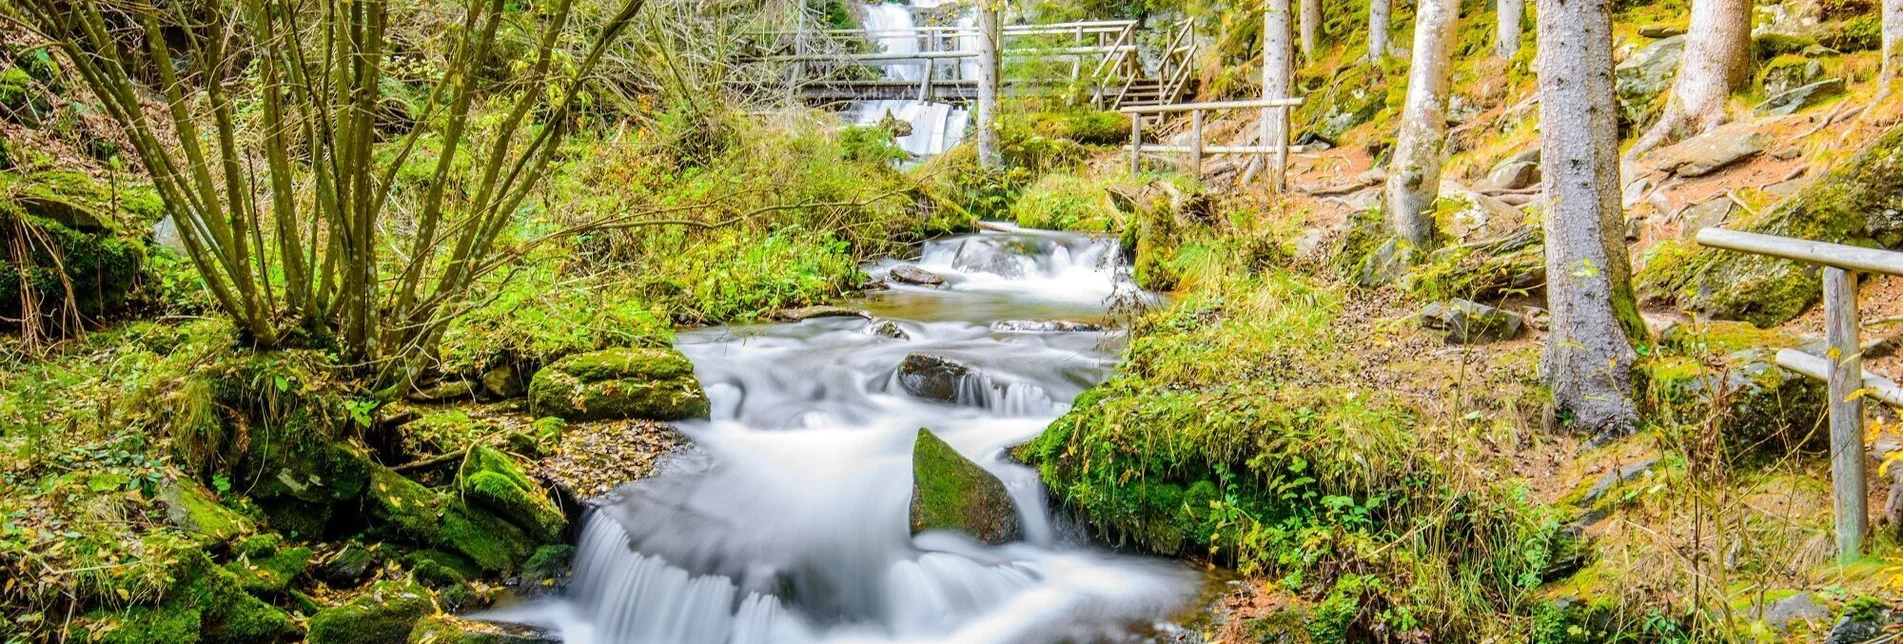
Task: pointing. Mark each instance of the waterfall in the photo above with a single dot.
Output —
(936, 127)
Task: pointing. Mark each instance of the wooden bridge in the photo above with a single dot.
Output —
(1103, 61)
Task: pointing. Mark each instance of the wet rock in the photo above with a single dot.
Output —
(190, 507)
(932, 377)
(1797, 98)
(503, 383)
(887, 329)
(1709, 152)
(619, 383)
(545, 569)
(822, 311)
(1469, 322)
(912, 274)
(1704, 215)
(1001, 256)
(1801, 607)
(1043, 326)
(950, 492)
(443, 391)
(384, 615)
(1641, 80)
(403, 508)
(449, 629)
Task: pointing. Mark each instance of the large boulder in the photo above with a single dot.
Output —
(492, 479)
(384, 615)
(950, 492)
(1468, 322)
(205, 604)
(1712, 151)
(1798, 98)
(1641, 80)
(932, 377)
(190, 507)
(405, 509)
(619, 383)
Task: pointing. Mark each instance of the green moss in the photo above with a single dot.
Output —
(264, 565)
(172, 623)
(619, 383)
(447, 629)
(1066, 202)
(228, 614)
(548, 565)
(1097, 127)
(190, 507)
(424, 516)
(439, 569)
(949, 492)
(490, 478)
(384, 615)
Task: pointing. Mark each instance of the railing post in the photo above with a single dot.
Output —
(1196, 143)
(1136, 143)
(1846, 412)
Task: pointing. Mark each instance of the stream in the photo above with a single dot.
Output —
(788, 520)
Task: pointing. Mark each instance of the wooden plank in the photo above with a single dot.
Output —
(1218, 105)
(1878, 387)
(1136, 144)
(1226, 149)
(1846, 411)
(1856, 258)
(1196, 142)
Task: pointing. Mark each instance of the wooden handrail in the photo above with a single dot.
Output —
(1212, 106)
(1854, 258)
(1879, 387)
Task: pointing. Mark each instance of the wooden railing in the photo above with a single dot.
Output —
(1196, 148)
(1841, 366)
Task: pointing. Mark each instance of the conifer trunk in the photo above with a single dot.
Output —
(988, 69)
(1414, 173)
(1277, 62)
(1311, 28)
(1379, 12)
(1717, 60)
(1892, 46)
(1510, 14)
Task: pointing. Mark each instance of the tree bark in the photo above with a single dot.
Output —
(1510, 14)
(1378, 19)
(1588, 356)
(988, 154)
(1311, 28)
(1414, 173)
(1892, 46)
(1277, 63)
(1717, 60)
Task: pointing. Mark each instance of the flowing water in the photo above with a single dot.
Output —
(936, 127)
(788, 521)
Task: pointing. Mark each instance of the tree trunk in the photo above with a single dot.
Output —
(1717, 60)
(1588, 357)
(1311, 28)
(1378, 18)
(1277, 62)
(1892, 46)
(988, 155)
(1414, 174)
(1507, 31)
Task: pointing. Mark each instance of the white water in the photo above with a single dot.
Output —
(789, 521)
(936, 127)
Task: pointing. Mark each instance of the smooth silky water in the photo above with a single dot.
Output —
(788, 520)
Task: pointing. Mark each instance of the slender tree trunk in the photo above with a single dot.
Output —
(1507, 31)
(1414, 174)
(1717, 60)
(988, 71)
(1378, 19)
(1277, 61)
(1588, 357)
(1892, 46)
(1311, 28)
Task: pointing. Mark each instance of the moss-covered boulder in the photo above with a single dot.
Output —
(205, 603)
(406, 509)
(950, 492)
(384, 615)
(1859, 202)
(619, 383)
(265, 564)
(492, 479)
(79, 256)
(171, 623)
(448, 629)
(190, 507)
(1727, 372)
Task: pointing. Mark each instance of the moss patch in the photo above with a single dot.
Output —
(384, 615)
(619, 383)
(949, 492)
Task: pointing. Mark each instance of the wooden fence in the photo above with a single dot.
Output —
(1196, 148)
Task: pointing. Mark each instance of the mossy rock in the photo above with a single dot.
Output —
(547, 566)
(950, 492)
(425, 516)
(78, 258)
(541, 438)
(492, 479)
(264, 564)
(170, 623)
(440, 569)
(1858, 203)
(190, 507)
(619, 383)
(206, 603)
(449, 629)
(384, 615)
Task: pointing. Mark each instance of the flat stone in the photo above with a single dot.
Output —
(444, 391)
(1704, 215)
(1044, 326)
(822, 311)
(1798, 98)
(1660, 30)
(1470, 322)
(912, 274)
(1641, 80)
(1631, 471)
(1800, 607)
(1854, 631)
(1712, 151)
(1513, 176)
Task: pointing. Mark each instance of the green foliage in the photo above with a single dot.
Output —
(746, 274)
(1066, 202)
(1094, 127)
(537, 315)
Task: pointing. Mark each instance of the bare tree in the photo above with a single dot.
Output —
(1717, 60)
(1278, 60)
(1379, 12)
(1892, 46)
(1506, 36)
(1588, 357)
(1414, 173)
(1311, 28)
(988, 46)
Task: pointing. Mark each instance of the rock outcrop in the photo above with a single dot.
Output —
(950, 492)
(619, 383)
